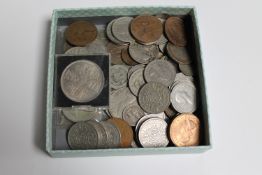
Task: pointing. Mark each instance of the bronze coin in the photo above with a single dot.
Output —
(175, 31)
(126, 132)
(81, 33)
(146, 29)
(185, 130)
(115, 51)
(126, 57)
(179, 54)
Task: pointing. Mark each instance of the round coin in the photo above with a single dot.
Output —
(115, 51)
(132, 113)
(185, 130)
(136, 81)
(77, 115)
(77, 51)
(126, 58)
(152, 133)
(175, 31)
(134, 68)
(161, 71)
(110, 35)
(112, 133)
(102, 137)
(143, 53)
(120, 29)
(146, 29)
(81, 33)
(179, 54)
(82, 81)
(118, 74)
(154, 97)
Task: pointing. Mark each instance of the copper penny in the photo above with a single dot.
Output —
(126, 132)
(126, 57)
(81, 33)
(115, 51)
(179, 54)
(146, 29)
(175, 31)
(184, 130)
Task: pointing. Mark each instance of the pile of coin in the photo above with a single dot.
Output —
(152, 90)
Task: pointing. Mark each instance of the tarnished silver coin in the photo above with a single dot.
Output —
(119, 99)
(152, 133)
(110, 35)
(183, 97)
(60, 120)
(154, 97)
(120, 29)
(136, 81)
(112, 133)
(118, 74)
(132, 113)
(134, 68)
(102, 137)
(82, 135)
(161, 71)
(186, 69)
(143, 53)
(82, 81)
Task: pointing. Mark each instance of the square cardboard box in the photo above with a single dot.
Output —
(100, 16)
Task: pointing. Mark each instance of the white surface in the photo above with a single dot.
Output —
(231, 42)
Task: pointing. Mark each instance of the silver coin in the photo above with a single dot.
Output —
(186, 69)
(161, 71)
(110, 35)
(136, 81)
(112, 133)
(118, 75)
(134, 68)
(120, 29)
(154, 97)
(132, 113)
(183, 97)
(180, 77)
(152, 133)
(60, 120)
(102, 137)
(119, 99)
(82, 81)
(143, 53)
(82, 135)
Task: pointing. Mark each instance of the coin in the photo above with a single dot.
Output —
(143, 53)
(179, 54)
(126, 58)
(60, 120)
(112, 133)
(134, 68)
(110, 35)
(80, 33)
(161, 71)
(66, 46)
(154, 97)
(77, 115)
(82, 135)
(115, 51)
(132, 113)
(146, 29)
(175, 31)
(183, 97)
(136, 81)
(118, 74)
(186, 69)
(119, 99)
(82, 81)
(77, 51)
(185, 130)
(102, 137)
(152, 133)
(126, 132)
(120, 29)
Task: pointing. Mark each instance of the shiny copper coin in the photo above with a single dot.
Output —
(81, 33)
(175, 31)
(126, 57)
(146, 29)
(179, 54)
(126, 132)
(115, 51)
(184, 130)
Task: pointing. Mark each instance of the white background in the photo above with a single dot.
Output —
(232, 54)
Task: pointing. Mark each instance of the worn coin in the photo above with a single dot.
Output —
(175, 31)
(185, 130)
(126, 58)
(152, 133)
(136, 81)
(110, 35)
(161, 71)
(132, 113)
(82, 135)
(119, 99)
(134, 68)
(81, 33)
(154, 97)
(179, 54)
(112, 133)
(102, 137)
(126, 132)
(118, 74)
(146, 29)
(115, 51)
(143, 53)
(186, 69)
(120, 29)
(82, 81)
(183, 97)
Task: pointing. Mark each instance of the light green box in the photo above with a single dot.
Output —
(103, 13)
